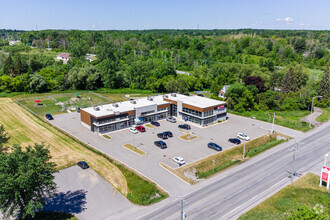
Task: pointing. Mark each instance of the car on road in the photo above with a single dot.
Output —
(82, 165)
(168, 133)
(162, 136)
(140, 128)
(214, 146)
(234, 140)
(184, 126)
(179, 160)
(155, 123)
(171, 119)
(49, 117)
(133, 130)
(160, 144)
(243, 136)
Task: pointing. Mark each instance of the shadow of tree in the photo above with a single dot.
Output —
(68, 202)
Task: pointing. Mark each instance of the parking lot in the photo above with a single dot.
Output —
(148, 164)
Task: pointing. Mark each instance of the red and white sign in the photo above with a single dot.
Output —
(221, 107)
(325, 173)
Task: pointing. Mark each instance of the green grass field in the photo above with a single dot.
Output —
(325, 115)
(290, 119)
(315, 74)
(69, 100)
(305, 192)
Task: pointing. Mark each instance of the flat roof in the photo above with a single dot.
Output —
(125, 106)
(197, 101)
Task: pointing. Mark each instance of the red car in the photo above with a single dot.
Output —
(140, 128)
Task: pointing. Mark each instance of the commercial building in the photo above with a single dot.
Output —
(110, 117)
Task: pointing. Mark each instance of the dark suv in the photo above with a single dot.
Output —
(184, 126)
(235, 140)
(168, 133)
(83, 164)
(160, 144)
(155, 123)
(214, 146)
(162, 136)
(49, 117)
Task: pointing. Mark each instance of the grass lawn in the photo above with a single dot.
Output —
(290, 119)
(135, 149)
(48, 105)
(25, 129)
(188, 137)
(305, 192)
(149, 126)
(106, 137)
(325, 115)
(315, 74)
(229, 157)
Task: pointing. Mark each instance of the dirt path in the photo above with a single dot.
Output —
(25, 129)
(311, 118)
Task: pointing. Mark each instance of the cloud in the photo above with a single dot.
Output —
(303, 24)
(286, 20)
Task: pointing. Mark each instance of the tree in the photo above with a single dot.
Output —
(9, 67)
(294, 78)
(78, 48)
(37, 83)
(256, 81)
(26, 179)
(324, 84)
(3, 139)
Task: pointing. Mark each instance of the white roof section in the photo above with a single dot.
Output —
(125, 106)
(197, 101)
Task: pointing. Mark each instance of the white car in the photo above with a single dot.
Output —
(133, 130)
(171, 119)
(179, 160)
(243, 136)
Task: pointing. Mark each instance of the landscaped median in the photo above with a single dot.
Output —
(306, 195)
(134, 149)
(25, 129)
(204, 168)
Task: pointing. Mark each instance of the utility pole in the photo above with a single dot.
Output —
(244, 151)
(273, 123)
(293, 149)
(213, 161)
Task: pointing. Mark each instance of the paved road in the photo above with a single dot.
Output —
(311, 118)
(235, 191)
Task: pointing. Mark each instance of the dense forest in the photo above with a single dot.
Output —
(267, 69)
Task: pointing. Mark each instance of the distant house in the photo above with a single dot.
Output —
(90, 59)
(222, 92)
(13, 42)
(64, 56)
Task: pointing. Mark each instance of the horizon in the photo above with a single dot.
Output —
(130, 15)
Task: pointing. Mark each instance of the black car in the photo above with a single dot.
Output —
(201, 95)
(235, 140)
(155, 123)
(214, 146)
(83, 165)
(168, 133)
(162, 136)
(184, 126)
(160, 144)
(49, 117)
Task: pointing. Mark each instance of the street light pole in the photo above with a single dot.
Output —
(244, 151)
(273, 123)
(310, 117)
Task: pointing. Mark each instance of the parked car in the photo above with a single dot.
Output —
(214, 146)
(235, 140)
(168, 133)
(140, 128)
(133, 130)
(49, 117)
(243, 136)
(201, 95)
(162, 136)
(171, 119)
(185, 126)
(160, 144)
(83, 164)
(179, 160)
(155, 123)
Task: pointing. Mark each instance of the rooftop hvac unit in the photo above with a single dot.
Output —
(109, 110)
(133, 101)
(150, 98)
(115, 105)
(173, 94)
(96, 108)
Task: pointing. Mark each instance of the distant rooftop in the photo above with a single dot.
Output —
(197, 101)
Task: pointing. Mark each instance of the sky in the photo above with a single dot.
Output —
(164, 14)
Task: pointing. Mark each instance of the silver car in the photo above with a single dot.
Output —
(171, 119)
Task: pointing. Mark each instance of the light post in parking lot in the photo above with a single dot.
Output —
(244, 151)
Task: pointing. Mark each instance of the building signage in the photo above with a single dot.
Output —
(220, 107)
(325, 176)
